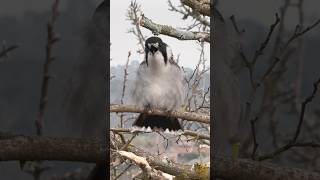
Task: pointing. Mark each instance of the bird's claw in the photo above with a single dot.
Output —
(148, 109)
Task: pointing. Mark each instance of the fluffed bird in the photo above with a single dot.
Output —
(159, 85)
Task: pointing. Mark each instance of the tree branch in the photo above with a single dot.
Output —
(46, 77)
(5, 51)
(143, 164)
(202, 6)
(185, 133)
(36, 148)
(297, 33)
(182, 115)
(241, 169)
(185, 11)
(172, 32)
(30, 148)
(165, 165)
(293, 142)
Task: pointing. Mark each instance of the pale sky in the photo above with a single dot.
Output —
(122, 42)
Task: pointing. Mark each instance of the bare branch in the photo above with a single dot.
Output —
(165, 165)
(298, 33)
(293, 142)
(172, 32)
(143, 164)
(36, 148)
(186, 11)
(303, 108)
(202, 6)
(182, 115)
(132, 15)
(241, 169)
(235, 25)
(266, 41)
(185, 133)
(125, 75)
(5, 51)
(51, 39)
(255, 143)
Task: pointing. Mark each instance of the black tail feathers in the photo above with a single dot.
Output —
(160, 122)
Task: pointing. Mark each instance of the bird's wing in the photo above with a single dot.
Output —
(137, 91)
(142, 68)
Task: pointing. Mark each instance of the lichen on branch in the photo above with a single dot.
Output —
(173, 32)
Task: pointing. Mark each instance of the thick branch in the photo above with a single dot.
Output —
(182, 115)
(170, 31)
(30, 148)
(35, 148)
(201, 6)
(246, 170)
(185, 133)
(166, 165)
(143, 164)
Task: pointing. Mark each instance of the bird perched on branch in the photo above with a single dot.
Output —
(159, 85)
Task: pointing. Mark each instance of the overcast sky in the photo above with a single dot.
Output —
(122, 42)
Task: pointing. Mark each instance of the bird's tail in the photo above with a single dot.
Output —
(156, 121)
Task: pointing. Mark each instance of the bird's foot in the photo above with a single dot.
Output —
(148, 109)
(168, 112)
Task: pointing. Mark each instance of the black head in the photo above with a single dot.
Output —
(154, 44)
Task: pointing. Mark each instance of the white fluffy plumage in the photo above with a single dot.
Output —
(159, 84)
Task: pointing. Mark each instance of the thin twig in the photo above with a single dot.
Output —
(293, 141)
(132, 15)
(298, 33)
(51, 39)
(264, 44)
(125, 75)
(255, 142)
(235, 25)
(5, 51)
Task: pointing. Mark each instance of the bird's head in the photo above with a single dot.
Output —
(156, 50)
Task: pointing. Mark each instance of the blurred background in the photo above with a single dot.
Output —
(76, 93)
(275, 104)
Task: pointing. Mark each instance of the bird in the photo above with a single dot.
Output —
(158, 85)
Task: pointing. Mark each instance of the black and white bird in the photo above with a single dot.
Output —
(159, 85)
